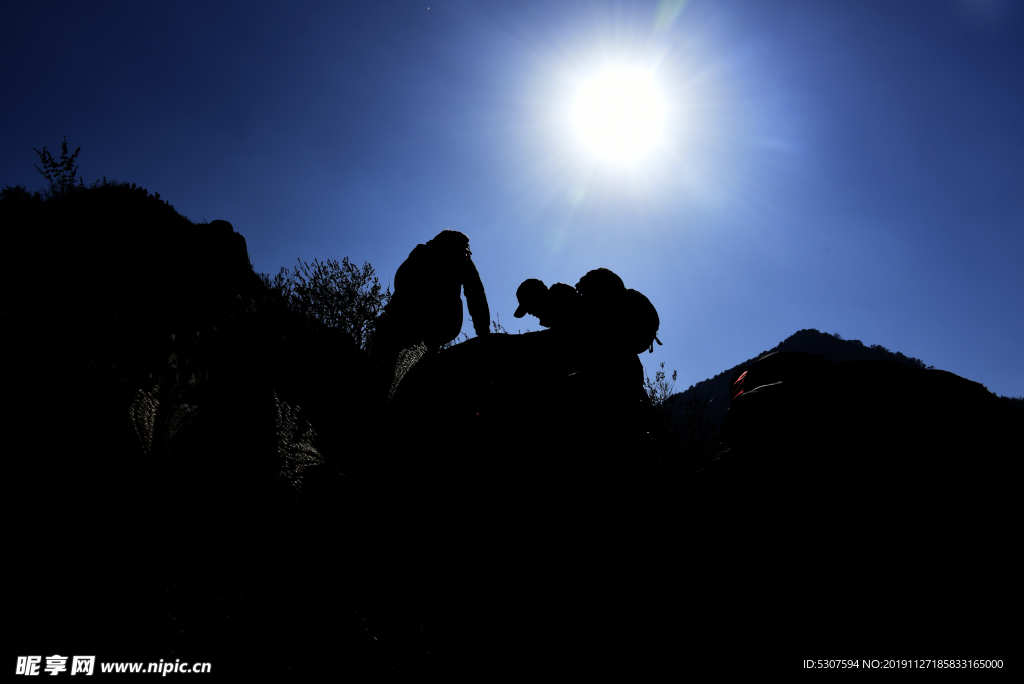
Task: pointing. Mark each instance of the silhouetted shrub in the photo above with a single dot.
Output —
(59, 174)
(659, 390)
(1015, 403)
(18, 193)
(337, 296)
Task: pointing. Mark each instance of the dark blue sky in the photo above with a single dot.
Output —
(855, 167)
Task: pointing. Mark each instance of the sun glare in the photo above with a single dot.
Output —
(619, 114)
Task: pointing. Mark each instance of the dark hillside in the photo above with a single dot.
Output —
(178, 435)
(715, 391)
(846, 495)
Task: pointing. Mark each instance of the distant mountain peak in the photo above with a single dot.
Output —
(837, 350)
(810, 341)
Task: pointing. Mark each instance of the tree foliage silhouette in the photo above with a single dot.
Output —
(60, 174)
(18, 193)
(337, 295)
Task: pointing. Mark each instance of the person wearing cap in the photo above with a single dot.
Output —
(557, 306)
(427, 303)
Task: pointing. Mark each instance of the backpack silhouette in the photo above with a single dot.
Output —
(640, 321)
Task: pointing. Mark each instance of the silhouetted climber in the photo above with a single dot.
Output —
(599, 287)
(557, 306)
(531, 295)
(425, 311)
(631, 318)
(624, 323)
(427, 303)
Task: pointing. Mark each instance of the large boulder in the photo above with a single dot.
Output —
(528, 413)
(526, 476)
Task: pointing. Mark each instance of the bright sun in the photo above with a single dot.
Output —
(619, 114)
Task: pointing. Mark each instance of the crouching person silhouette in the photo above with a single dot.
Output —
(556, 307)
(426, 307)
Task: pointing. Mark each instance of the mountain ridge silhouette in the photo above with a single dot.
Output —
(835, 349)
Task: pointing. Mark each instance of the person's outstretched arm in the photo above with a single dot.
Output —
(476, 299)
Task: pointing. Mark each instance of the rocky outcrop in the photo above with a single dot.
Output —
(531, 476)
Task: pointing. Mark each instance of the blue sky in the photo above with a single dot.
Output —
(854, 167)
